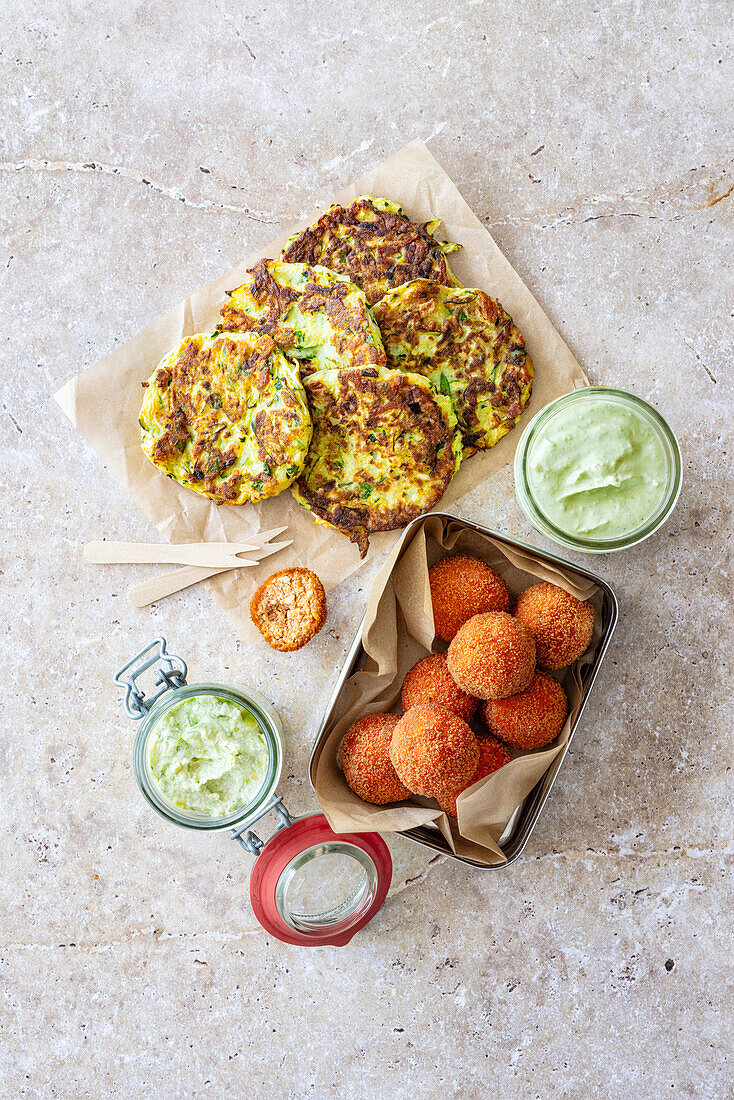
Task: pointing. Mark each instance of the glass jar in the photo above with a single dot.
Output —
(551, 418)
(269, 725)
(309, 886)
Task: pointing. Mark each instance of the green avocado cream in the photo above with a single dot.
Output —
(208, 756)
(597, 469)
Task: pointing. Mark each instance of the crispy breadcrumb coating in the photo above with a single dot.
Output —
(366, 760)
(492, 656)
(429, 681)
(289, 608)
(561, 625)
(433, 751)
(493, 755)
(532, 718)
(463, 586)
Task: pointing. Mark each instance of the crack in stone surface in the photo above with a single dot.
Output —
(420, 876)
(575, 214)
(717, 198)
(139, 933)
(698, 358)
(223, 938)
(632, 853)
(92, 166)
(672, 195)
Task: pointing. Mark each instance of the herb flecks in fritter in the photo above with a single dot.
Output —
(384, 449)
(226, 415)
(314, 315)
(375, 245)
(469, 348)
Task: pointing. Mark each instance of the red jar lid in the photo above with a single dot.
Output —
(313, 887)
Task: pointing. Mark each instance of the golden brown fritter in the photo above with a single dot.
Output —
(226, 415)
(375, 244)
(384, 449)
(469, 348)
(314, 315)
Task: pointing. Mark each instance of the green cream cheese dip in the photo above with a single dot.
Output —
(208, 756)
(598, 469)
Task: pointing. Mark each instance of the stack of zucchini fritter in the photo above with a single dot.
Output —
(356, 370)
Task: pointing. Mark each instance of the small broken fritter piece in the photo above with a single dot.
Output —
(314, 315)
(375, 245)
(289, 608)
(226, 415)
(384, 449)
(465, 343)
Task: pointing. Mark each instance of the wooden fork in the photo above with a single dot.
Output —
(200, 560)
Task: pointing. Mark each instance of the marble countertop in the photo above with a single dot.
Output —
(148, 147)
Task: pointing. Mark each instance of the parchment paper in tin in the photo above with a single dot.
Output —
(398, 631)
(103, 402)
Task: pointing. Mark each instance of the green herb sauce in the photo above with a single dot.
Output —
(597, 470)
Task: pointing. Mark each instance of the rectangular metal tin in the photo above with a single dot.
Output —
(523, 821)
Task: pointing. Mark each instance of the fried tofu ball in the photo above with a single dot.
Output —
(493, 755)
(492, 656)
(429, 681)
(533, 717)
(433, 751)
(463, 586)
(366, 760)
(561, 625)
(288, 608)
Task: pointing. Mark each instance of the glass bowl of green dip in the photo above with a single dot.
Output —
(208, 756)
(598, 470)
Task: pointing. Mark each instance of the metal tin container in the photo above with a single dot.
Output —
(523, 821)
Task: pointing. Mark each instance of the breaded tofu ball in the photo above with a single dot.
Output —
(288, 608)
(463, 586)
(561, 625)
(366, 760)
(533, 717)
(492, 656)
(429, 681)
(433, 751)
(493, 755)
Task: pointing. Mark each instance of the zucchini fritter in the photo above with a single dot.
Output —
(384, 448)
(465, 343)
(373, 242)
(226, 415)
(313, 314)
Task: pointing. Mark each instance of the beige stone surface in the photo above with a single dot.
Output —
(146, 147)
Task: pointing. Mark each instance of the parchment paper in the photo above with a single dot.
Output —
(103, 402)
(398, 631)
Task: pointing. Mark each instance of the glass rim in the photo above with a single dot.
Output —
(665, 434)
(338, 915)
(269, 725)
